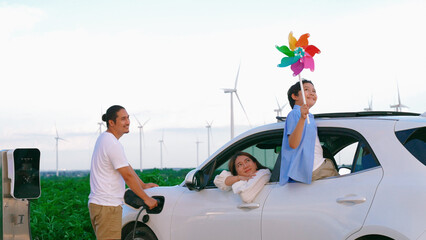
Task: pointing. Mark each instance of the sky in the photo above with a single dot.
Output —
(63, 63)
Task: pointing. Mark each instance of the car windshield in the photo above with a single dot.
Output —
(414, 140)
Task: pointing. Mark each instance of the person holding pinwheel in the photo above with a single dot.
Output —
(301, 153)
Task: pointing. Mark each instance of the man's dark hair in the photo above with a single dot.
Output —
(111, 114)
(295, 90)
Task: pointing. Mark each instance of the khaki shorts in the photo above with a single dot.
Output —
(326, 169)
(106, 221)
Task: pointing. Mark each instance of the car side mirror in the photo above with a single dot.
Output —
(194, 180)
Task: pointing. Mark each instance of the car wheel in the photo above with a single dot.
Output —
(374, 237)
(142, 233)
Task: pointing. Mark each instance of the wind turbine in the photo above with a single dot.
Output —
(370, 105)
(57, 138)
(161, 141)
(197, 143)
(279, 109)
(140, 126)
(232, 91)
(101, 124)
(209, 133)
(100, 127)
(398, 107)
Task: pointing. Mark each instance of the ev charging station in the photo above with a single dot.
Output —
(20, 169)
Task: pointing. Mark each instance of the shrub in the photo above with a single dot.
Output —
(61, 212)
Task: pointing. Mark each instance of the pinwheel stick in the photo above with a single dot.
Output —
(302, 89)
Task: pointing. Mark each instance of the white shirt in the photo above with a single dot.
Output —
(107, 186)
(318, 155)
(248, 189)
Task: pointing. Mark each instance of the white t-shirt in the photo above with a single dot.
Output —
(318, 157)
(248, 189)
(107, 186)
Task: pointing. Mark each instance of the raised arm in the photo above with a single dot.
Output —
(295, 137)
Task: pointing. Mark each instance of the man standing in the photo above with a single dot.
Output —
(109, 172)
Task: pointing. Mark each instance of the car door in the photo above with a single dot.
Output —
(214, 214)
(331, 208)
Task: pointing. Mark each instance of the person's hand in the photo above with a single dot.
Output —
(150, 185)
(151, 203)
(304, 110)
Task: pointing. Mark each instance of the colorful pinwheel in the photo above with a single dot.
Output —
(299, 55)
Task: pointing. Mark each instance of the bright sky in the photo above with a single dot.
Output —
(63, 63)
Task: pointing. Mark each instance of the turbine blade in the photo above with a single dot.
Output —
(164, 145)
(146, 122)
(245, 113)
(211, 136)
(278, 104)
(238, 73)
(137, 119)
(209, 124)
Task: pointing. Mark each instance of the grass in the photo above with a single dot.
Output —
(61, 212)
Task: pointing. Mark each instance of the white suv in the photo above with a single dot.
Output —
(382, 195)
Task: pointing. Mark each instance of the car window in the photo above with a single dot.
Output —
(363, 158)
(265, 147)
(265, 156)
(414, 140)
(348, 149)
(345, 157)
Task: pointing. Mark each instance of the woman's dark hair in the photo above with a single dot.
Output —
(231, 163)
(295, 90)
(111, 114)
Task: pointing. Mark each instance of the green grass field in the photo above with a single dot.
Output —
(61, 212)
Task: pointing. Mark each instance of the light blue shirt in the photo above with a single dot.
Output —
(297, 164)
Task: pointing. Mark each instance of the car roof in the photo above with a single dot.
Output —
(403, 117)
(370, 114)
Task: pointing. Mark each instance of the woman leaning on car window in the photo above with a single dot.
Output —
(246, 176)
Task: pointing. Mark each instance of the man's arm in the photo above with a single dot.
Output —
(134, 183)
(144, 185)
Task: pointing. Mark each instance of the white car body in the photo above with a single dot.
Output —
(386, 201)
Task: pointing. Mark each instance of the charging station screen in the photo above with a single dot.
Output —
(27, 173)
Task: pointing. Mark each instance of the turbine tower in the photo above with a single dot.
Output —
(101, 123)
(398, 107)
(57, 138)
(161, 141)
(232, 91)
(209, 133)
(197, 143)
(370, 105)
(140, 126)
